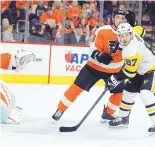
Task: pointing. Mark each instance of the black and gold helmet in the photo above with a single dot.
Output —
(131, 18)
(119, 11)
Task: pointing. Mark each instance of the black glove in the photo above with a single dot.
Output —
(102, 57)
(112, 82)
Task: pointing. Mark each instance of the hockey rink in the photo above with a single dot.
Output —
(39, 102)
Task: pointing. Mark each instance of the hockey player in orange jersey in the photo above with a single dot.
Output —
(10, 113)
(103, 61)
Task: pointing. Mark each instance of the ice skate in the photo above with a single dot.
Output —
(151, 130)
(56, 116)
(105, 117)
(119, 122)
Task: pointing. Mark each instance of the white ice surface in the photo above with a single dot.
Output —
(39, 102)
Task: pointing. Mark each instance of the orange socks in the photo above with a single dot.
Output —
(69, 96)
(74, 91)
(113, 103)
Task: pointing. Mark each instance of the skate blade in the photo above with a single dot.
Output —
(54, 122)
(119, 127)
(104, 121)
(152, 134)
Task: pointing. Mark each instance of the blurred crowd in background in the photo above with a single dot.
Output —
(67, 22)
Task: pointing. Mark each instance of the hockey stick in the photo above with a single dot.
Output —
(74, 128)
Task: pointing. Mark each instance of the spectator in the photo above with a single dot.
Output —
(7, 34)
(41, 34)
(21, 9)
(83, 2)
(91, 10)
(85, 29)
(51, 21)
(76, 37)
(68, 3)
(57, 9)
(67, 31)
(35, 2)
(69, 26)
(74, 12)
(37, 9)
(86, 6)
(95, 2)
(93, 21)
(84, 15)
(123, 6)
(48, 17)
(6, 11)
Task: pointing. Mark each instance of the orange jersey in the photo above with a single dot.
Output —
(105, 38)
(45, 17)
(5, 60)
(74, 13)
(68, 30)
(68, 3)
(34, 2)
(5, 4)
(93, 21)
(58, 13)
(21, 4)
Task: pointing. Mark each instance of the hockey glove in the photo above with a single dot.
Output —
(112, 82)
(102, 57)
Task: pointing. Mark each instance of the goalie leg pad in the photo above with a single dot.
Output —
(15, 115)
(4, 112)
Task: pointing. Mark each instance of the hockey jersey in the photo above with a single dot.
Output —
(105, 39)
(139, 57)
(5, 60)
(139, 30)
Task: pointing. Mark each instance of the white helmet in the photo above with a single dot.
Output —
(124, 28)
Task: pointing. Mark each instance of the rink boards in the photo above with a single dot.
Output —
(53, 64)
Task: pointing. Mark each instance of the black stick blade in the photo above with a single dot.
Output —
(68, 129)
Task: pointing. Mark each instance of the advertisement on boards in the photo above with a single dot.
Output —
(68, 60)
(39, 65)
